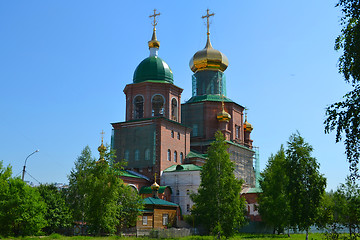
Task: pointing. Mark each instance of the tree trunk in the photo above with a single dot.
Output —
(307, 234)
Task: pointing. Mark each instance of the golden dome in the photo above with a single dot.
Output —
(247, 126)
(155, 186)
(208, 58)
(223, 116)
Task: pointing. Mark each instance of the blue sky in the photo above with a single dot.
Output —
(64, 65)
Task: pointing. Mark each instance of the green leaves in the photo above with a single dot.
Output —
(218, 205)
(99, 197)
(343, 116)
(292, 187)
(21, 207)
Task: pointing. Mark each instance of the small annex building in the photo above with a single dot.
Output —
(157, 213)
(184, 180)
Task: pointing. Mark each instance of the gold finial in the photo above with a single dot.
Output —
(155, 186)
(102, 148)
(154, 43)
(102, 136)
(247, 126)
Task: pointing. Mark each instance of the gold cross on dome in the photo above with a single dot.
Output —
(208, 15)
(154, 16)
(102, 135)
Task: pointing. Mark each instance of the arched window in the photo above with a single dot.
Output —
(137, 155)
(175, 156)
(181, 158)
(174, 109)
(172, 134)
(126, 155)
(147, 154)
(158, 103)
(169, 155)
(195, 130)
(178, 136)
(138, 107)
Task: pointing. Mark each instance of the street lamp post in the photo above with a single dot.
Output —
(23, 173)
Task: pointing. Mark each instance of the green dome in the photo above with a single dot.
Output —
(153, 69)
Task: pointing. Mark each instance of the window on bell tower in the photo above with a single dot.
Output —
(174, 109)
(138, 107)
(158, 105)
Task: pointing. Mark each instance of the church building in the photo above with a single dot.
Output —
(160, 132)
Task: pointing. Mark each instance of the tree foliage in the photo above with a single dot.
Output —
(292, 187)
(218, 206)
(273, 202)
(58, 215)
(343, 117)
(306, 185)
(98, 196)
(21, 207)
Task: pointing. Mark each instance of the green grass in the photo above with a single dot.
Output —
(312, 236)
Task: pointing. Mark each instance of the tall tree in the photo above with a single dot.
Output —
(21, 207)
(96, 193)
(273, 202)
(218, 205)
(306, 185)
(58, 215)
(343, 117)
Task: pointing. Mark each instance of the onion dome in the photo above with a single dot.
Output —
(153, 68)
(208, 59)
(223, 116)
(247, 126)
(102, 148)
(155, 186)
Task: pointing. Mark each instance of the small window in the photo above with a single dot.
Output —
(126, 155)
(178, 136)
(172, 134)
(188, 207)
(237, 129)
(169, 155)
(165, 218)
(144, 220)
(175, 156)
(187, 192)
(195, 130)
(177, 192)
(147, 154)
(137, 155)
(181, 158)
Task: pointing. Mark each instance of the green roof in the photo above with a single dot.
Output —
(193, 154)
(254, 190)
(209, 97)
(147, 190)
(125, 173)
(183, 167)
(158, 201)
(153, 69)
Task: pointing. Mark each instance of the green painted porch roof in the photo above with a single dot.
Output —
(183, 167)
(158, 201)
(148, 190)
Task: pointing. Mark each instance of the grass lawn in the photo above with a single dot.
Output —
(313, 236)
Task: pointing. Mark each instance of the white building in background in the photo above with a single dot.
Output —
(183, 179)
